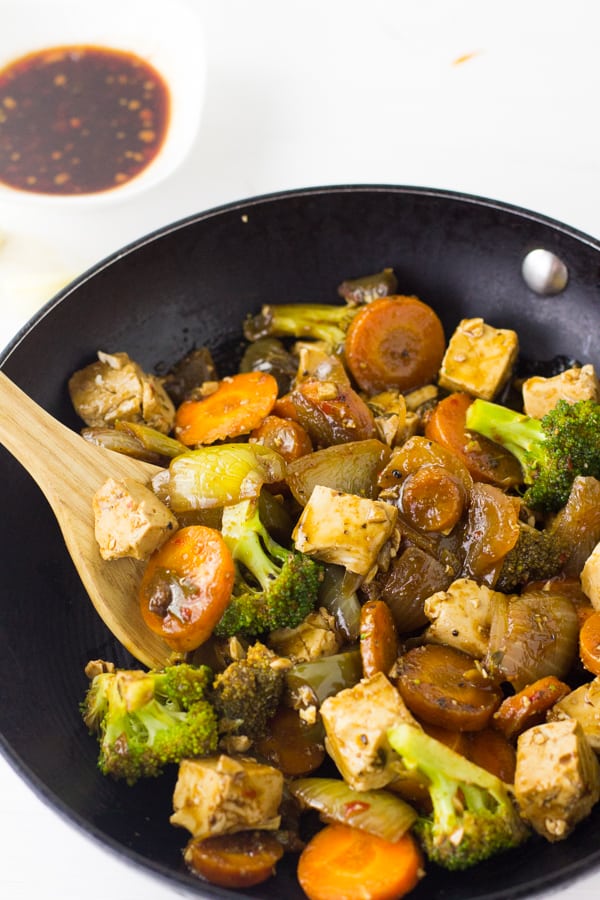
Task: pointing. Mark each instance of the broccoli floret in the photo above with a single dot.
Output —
(473, 814)
(246, 695)
(273, 587)
(552, 451)
(145, 720)
(538, 555)
(302, 320)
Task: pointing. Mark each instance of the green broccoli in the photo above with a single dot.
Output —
(273, 587)
(473, 814)
(319, 321)
(538, 554)
(145, 720)
(552, 451)
(247, 693)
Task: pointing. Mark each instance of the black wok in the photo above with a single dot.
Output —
(192, 283)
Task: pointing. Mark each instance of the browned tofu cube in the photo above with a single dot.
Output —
(557, 777)
(479, 359)
(356, 724)
(224, 795)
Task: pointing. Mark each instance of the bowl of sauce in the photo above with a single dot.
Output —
(97, 104)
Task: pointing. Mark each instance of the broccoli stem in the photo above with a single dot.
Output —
(319, 321)
(473, 816)
(522, 435)
(247, 539)
(439, 762)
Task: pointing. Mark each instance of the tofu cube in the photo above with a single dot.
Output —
(590, 577)
(540, 395)
(313, 638)
(557, 777)
(130, 520)
(461, 616)
(356, 722)
(345, 529)
(583, 705)
(479, 359)
(224, 795)
(116, 387)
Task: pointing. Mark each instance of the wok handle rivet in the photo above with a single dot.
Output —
(544, 272)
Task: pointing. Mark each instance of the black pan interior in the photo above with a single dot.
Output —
(192, 284)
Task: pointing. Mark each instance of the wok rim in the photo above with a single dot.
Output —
(468, 199)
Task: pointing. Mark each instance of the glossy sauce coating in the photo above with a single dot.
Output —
(79, 119)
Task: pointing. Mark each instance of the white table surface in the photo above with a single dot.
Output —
(497, 100)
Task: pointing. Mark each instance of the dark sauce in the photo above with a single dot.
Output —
(79, 119)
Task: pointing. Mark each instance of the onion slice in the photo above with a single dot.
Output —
(218, 476)
(379, 812)
(532, 635)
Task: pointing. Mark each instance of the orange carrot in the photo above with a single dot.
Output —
(186, 586)
(378, 639)
(239, 405)
(443, 685)
(485, 460)
(589, 643)
(490, 750)
(529, 706)
(456, 740)
(239, 860)
(286, 437)
(433, 499)
(396, 342)
(343, 863)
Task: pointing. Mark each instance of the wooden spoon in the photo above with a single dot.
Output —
(69, 471)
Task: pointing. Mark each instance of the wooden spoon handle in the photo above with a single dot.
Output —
(56, 457)
(38, 441)
(69, 470)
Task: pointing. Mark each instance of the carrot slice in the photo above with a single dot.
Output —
(285, 436)
(378, 639)
(292, 745)
(490, 750)
(529, 706)
(443, 685)
(186, 586)
(433, 499)
(239, 405)
(589, 643)
(485, 460)
(396, 342)
(456, 740)
(234, 860)
(343, 863)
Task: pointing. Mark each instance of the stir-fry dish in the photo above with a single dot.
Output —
(374, 552)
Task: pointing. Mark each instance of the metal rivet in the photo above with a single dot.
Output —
(544, 272)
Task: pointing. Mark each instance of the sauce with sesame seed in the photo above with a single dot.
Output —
(79, 119)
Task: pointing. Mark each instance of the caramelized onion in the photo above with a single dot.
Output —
(413, 576)
(532, 636)
(352, 468)
(337, 594)
(578, 522)
(492, 530)
(122, 442)
(317, 679)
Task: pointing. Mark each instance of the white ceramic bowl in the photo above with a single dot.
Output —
(167, 35)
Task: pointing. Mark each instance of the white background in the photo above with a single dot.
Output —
(314, 93)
